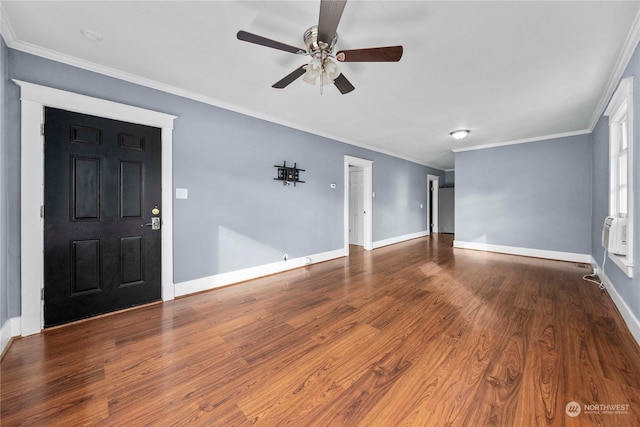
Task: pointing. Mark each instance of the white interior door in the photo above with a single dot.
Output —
(433, 182)
(356, 207)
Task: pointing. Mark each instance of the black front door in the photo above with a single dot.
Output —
(102, 186)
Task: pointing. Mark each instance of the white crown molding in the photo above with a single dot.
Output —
(629, 47)
(524, 141)
(14, 43)
(6, 29)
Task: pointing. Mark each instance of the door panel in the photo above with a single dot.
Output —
(85, 174)
(131, 184)
(131, 259)
(102, 181)
(85, 266)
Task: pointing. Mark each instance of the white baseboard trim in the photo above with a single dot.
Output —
(10, 329)
(386, 242)
(632, 322)
(627, 315)
(224, 279)
(513, 250)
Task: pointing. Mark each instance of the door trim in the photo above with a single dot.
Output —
(433, 180)
(34, 98)
(367, 165)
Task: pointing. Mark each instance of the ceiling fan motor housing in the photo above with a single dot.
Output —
(317, 47)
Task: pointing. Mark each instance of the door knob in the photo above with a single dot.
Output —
(154, 224)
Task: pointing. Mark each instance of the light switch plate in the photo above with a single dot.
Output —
(182, 193)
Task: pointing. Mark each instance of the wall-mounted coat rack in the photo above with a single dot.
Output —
(288, 174)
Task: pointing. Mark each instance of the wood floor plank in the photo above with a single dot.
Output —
(542, 383)
(301, 372)
(417, 333)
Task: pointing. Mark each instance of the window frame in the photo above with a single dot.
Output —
(620, 111)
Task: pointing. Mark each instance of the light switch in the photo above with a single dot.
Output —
(182, 193)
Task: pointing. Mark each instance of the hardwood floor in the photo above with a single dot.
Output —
(417, 333)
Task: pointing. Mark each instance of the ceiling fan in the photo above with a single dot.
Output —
(320, 40)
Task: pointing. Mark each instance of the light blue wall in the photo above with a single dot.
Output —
(236, 215)
(535, 195)
(4, 307)
(400, 188)
(627, 288)
(449, 179)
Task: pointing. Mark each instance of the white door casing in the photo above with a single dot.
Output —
(367, 184)
(34, 98)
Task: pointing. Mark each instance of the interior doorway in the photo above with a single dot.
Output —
(433, 183)
(364, 191)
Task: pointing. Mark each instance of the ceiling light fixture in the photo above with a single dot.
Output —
(323, 68)
(91, 35)
(460, 133)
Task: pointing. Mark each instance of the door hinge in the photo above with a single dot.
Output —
(42, 211)
(42, 129)
(41, 294)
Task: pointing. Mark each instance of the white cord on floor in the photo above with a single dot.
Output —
(592, 277)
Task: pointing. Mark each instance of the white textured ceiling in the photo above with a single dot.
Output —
(508, 71)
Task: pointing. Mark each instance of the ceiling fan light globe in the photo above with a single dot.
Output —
(315, 64)
(331, 69)
(310, 75)
(310, 81)
(313, 71)
(328, 78)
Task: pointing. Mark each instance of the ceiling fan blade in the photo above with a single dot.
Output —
(330, 14)
(263, 41)
(343, 85)
(373, 54)
(288, 79)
